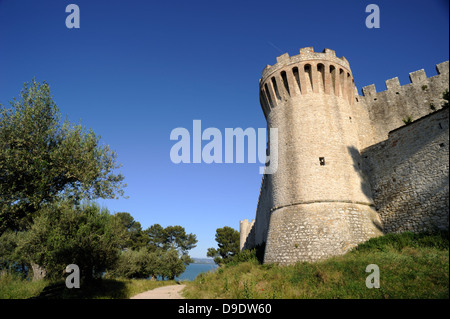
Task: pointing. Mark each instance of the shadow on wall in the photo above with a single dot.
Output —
(425, 213)
(358, 166)
(365, 183)
(408, 176)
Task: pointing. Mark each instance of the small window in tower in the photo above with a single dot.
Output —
(322, 161)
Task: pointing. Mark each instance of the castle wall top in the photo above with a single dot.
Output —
(388, 109)
(416, 77)
(308, 72)
(306, 54)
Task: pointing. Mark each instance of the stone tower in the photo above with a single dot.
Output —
(321, 204)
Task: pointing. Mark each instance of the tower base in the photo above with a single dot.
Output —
(315, 231)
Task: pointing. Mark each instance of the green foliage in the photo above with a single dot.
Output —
(149, 264)
(135, 238)
(49, 171)
(136, 264)
(176, 238)
(171, 237)
(160, 252)
(14, 286)
(171, 264)
(227, 239)
(9, 258)
(247, 255)
(42, 160)
(407, 239)
(255, 255)
(411, 266)
(156, 237)
(64, 234)
(407, 120)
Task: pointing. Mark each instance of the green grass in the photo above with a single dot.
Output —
(14, 287)
(411, 266)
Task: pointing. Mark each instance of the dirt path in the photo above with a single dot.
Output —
(165, 292)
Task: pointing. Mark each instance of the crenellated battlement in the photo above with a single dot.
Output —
(306, 54)
(418, 77)
(388, 109)
(308, 72)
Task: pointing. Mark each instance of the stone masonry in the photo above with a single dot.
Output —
(348, 167)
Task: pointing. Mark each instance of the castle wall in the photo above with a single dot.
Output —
(310, 99)
(257, 235)
(327, 195)
(387, 109)
(246, 237)
(265, 204)
(409, 175)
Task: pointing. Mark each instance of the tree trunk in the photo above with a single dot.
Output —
(38, 272)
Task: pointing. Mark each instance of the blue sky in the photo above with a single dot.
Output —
(135, 70)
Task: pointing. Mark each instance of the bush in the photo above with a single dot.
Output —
(255, 255)
(244, 256)
(63, 234)
(135, 264)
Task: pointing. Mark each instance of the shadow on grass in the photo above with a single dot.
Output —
(95, 289)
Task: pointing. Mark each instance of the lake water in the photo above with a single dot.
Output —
(193, 270)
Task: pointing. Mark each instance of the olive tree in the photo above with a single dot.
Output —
(43, 159)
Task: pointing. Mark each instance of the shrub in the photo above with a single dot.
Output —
(64, 234)
(407, 120)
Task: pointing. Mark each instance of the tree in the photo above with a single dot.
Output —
(138, 263)
(176, 238)
(64, 234)
(156, 237)
(227, 239)
(135, 236)
(171, 237)
(142, 263)
(42, 160)
(9, 258)
(171, 264)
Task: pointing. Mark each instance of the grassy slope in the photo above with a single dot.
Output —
(411, 266)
